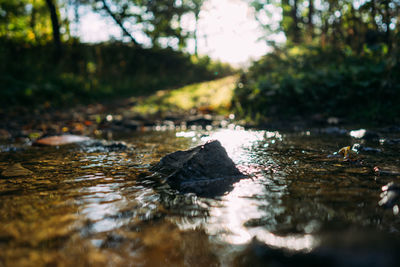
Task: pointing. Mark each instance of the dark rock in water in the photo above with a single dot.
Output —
(205, 170)
(390, 195)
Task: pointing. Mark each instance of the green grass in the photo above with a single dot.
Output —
(213, 96)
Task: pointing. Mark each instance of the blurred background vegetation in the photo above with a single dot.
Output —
(337, 58)
(42, 64)
(340, 58)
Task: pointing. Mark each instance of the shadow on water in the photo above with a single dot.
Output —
(98, 204)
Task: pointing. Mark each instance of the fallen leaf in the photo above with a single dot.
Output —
(61, 140)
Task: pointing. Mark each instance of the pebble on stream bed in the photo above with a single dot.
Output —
(16, 170)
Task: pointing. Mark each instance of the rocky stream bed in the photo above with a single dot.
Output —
(290, 197)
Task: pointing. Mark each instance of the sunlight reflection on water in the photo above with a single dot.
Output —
(236, 142)
(294, 198)
(99, 202)
(228, 217)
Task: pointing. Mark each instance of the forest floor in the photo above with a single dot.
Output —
(203, 104)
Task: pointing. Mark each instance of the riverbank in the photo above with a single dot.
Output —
(205, 105)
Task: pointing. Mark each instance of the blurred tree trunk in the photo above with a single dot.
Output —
(119, 22)
(196, 39)
(290, 21)
(387, 21)
(310, 20)
(324, 29)
(32, 22)
(296, 29)
(55, 25)
(373, 14)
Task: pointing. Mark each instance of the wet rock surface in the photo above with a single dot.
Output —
(205, 170)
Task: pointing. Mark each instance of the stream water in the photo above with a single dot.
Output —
(88, 206)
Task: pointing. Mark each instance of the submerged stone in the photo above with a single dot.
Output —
(204, 170)
(16, 170)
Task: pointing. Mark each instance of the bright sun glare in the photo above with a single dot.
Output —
(227, 31)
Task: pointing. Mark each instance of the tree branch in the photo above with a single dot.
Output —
(119, 22)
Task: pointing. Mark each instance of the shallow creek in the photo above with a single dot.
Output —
(88, 206)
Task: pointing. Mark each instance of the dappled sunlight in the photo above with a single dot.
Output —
(210, 96)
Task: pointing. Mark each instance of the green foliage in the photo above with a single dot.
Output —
(340, 59)
(337, 23)
(307, 80)
(35, 21)
(30, 75)
(159, 20)
(25, 20)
